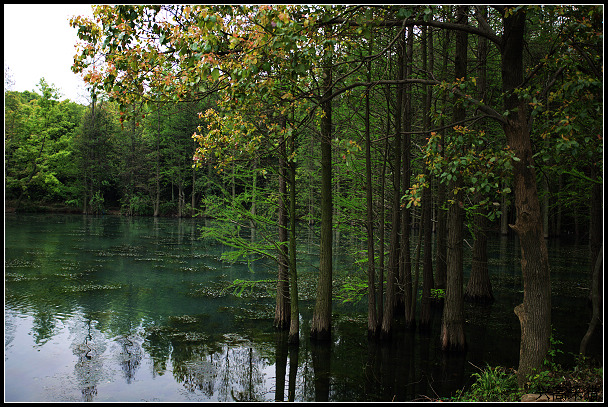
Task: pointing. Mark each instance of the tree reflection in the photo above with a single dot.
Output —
(130, 355)
(321, 357)
(89, 366)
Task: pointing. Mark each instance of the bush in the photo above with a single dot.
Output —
(492, 384)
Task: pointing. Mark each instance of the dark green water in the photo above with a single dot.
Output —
(119, 309)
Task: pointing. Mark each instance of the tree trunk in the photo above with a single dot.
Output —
(535, 312)
(427, 196)
(596, 255)
(157, 198)
(294, 326)
(393, 259)
(282, 306)
(405, 268)
(372, 319)
(321, 320)
(452, 324)
(479, 287)
(441, 272)
(596, 300)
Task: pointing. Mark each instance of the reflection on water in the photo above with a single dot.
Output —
(134, 309)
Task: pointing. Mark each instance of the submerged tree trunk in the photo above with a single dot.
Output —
(596, 252)
(321, 320)
(427, 196)
(393, 260)
(372, 318)
(441, 256)
(452, 323)
(596, 300)
(479, 287)
(282, 307)
(535, 312)
(294, 326)
(405, 269)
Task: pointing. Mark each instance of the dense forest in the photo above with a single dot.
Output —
(371, 121)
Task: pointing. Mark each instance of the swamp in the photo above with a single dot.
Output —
(308, 203)
(110, 308)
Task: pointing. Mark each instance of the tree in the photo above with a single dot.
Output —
(452, 323)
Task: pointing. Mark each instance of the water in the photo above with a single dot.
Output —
(135, 309)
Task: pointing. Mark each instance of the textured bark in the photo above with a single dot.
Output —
(393, 259)
(596, 300)
(535, 312)
(441, 272)
(479, 287)
(372, 319)
(282, 307)
(427, 197)
(596, 253)
(452, 324)
(321, 320)
(294, 326)
(405, 297)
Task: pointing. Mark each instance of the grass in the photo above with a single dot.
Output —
(499, 384)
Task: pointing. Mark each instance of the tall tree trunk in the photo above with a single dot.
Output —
(157, 198)
(393, 260)
(382, 212)
(535, 312)
(405, 267)
(479, 287)
(596, 255)
(282, 306)
(427, 196)
(441, 272)
(372, 319)
(294, 326)
(321, 320)
(452, 323)
(596, 302)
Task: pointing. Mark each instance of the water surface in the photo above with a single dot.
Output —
(136, 309)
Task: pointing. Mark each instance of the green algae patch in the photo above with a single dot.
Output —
(92, 287)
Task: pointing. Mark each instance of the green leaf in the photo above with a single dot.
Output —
(215, 74)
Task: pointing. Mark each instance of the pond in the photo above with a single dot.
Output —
(122, 309)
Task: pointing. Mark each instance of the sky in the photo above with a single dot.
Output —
(39, 42)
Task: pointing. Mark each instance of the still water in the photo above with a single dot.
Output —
(136, 309)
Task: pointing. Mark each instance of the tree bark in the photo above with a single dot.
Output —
(427, 196)
(596, 255)
(282, 307)
(393, 260)
(452, 324)
(535, 312)
(479, 287)
(405, 269)
(596, 299)
(321, 320)
(294, 326)
(372, 319)
(441, 272)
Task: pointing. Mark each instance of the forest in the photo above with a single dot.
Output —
(410, 128)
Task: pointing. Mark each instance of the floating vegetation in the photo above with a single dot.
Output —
(210, 290)
(92, 287)
(250, 312)
(184, 319)
(175, 334)
(17, 277)
(21, 263)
